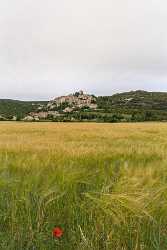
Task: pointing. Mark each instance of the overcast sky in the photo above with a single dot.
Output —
(54, 47)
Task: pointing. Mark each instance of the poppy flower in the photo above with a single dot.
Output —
(57, 232)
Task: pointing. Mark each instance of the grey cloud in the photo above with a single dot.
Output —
(54, 47)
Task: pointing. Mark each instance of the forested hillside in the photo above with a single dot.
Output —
(10, 108)
(141, 105)
(124, 107)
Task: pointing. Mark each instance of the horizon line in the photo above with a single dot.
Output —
(49, 99)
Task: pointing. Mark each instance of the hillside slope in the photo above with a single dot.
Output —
(142, 105)
(135, 100)
(128, 106)
(10, 108)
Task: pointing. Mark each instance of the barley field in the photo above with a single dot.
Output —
(104, 185)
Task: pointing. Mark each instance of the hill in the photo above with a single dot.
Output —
(141, 105)
(19, 109)
(135, 100)
(122, 107)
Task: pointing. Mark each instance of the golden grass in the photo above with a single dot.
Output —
(105, 184)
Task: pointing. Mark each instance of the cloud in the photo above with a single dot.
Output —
(54, 47)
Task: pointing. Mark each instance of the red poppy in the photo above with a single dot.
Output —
(57, 232)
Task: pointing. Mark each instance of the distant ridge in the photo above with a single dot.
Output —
(138, 105)
(10, 108)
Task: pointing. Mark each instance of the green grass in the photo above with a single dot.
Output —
(105, 185)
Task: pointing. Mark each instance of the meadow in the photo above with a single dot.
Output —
(105, 185)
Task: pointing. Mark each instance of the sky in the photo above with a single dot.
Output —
(51, 48)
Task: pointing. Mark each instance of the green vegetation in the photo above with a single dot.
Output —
(105, 185)
(134, 106)
(10, 108)
(140, 105)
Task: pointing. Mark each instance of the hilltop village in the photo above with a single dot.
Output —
(79, 107)
(64, 105)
